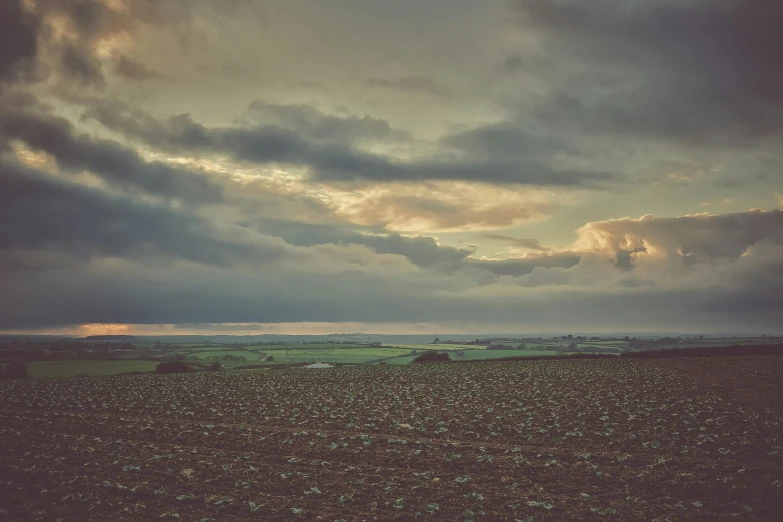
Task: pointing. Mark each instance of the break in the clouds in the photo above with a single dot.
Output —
(520, 166)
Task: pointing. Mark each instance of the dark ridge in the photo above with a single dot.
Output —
(708, 351)
(515, 358)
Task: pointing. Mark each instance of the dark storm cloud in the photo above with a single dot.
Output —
(219, 328)
(315, 125)
(108, 159)
(698, 70)
(18, 39)
(198, 295)
(212, 297)
(421, 251)
(335, 160)
(38, 211)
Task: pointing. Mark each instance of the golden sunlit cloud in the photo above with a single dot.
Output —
(34, 159)
(103, 329)
(440, 206)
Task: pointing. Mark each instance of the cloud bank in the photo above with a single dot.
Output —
(533, 165)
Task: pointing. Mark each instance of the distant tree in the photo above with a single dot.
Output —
(432, 357)
(215, 366)
(15, 370)
(521, 346)
(627, 339)
(436, 341)
(572, 347)
(269, 358)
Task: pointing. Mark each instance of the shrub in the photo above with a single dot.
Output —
(432, 357)
(15, 370)
(174, 367)
(215, 366)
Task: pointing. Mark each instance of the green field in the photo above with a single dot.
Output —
(375, 352)
(206, 354)
(94, 368)
(304, 346)
(338, 355)
(350, 354)
(438, 347)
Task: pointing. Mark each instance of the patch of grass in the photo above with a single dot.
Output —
(250, 356)
(342, 355)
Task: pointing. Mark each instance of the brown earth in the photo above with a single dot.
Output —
(695, 439)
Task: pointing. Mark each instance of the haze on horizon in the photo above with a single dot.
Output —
(291, 166)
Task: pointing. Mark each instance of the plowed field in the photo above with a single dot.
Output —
(700, 439)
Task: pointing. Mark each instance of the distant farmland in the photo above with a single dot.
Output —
(49, 359)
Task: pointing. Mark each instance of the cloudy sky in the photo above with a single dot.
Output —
(409, 166)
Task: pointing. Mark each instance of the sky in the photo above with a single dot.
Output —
(292, 166)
